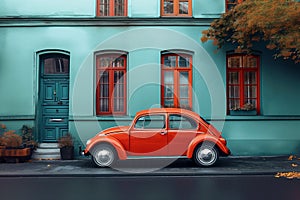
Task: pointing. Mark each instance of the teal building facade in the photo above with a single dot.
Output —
(84, 66)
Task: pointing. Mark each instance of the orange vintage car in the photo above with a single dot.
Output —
(159, 133)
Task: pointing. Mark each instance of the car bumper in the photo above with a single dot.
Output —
(85, 153)
(226, 152)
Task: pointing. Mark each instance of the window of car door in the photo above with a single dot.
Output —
(150, 122)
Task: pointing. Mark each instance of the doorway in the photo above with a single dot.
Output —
(53, 96)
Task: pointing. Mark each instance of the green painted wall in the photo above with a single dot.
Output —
(138, 8)
(275, 131)
(45, 8)
(144, 58)
(17, 78)
(208, 8)
(266, 136)
(87, 9)
(280, 91)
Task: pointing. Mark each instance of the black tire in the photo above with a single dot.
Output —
(104, 155)
(206, 155)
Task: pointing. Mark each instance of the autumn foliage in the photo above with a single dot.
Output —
(276, 22)
(293, 174)
(11, 139)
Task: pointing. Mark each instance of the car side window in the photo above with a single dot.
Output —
(150, 122)
(179, 122)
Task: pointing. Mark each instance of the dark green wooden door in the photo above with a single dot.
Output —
(54, 97)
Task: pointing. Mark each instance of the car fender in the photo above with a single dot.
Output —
(198, 140)
(113, 142)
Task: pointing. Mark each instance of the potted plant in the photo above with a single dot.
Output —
(66, 145)
(11, 140)
(246, 109)
(28, 138)
(2, 147)
(11, 147)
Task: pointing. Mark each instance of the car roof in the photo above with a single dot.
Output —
(168, 110)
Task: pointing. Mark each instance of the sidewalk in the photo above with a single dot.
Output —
(182, 167)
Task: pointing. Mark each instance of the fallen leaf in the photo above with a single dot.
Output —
(289, 175)
(277, 175)
(292, 157)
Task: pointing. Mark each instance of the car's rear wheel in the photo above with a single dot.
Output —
(206, 154)
(104, 155)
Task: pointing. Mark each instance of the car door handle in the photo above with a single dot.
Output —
(163, 132)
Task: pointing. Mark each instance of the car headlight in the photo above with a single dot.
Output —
(88, 142)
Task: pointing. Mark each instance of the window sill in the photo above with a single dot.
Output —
(242, 112)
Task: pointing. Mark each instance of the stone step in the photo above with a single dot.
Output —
(48, 145)
(46, 157)
(47, 151)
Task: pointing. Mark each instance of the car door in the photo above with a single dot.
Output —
(181, 131)
(148, 136)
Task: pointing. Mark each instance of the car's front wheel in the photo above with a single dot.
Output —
(206, 155)
(104, 155)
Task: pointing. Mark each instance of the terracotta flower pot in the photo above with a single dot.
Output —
(15, 154)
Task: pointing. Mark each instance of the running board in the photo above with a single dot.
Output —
(155, 157)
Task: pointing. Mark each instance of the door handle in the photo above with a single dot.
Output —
(163, 132)
(56, 120)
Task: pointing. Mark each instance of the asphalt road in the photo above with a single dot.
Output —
(241, 187)
(232, 178)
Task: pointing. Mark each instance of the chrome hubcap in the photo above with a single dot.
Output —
(206, 156)
(104, 157)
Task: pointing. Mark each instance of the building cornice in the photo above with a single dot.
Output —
(116, 21)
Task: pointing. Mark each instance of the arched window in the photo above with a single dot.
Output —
(176, 80)
(54, 64)
(111, 83)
